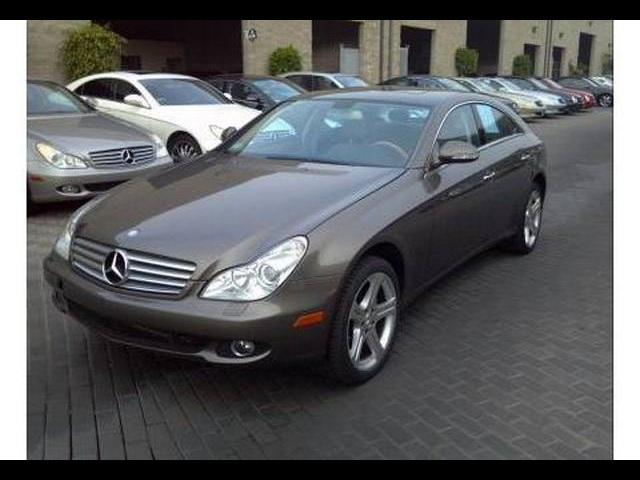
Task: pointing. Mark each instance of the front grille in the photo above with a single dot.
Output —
(122, 157)
(145, 273)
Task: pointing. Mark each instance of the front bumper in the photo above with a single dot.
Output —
(532, 112)
(195, 327)
(45, 181)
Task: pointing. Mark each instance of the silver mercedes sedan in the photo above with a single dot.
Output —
(74, 152)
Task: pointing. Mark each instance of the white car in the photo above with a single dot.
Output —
(314, 81)
(187, 114)
(552, 103)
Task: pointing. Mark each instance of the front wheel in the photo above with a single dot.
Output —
(364, 325)
(605, 100)
(183, 147)
(528, 232)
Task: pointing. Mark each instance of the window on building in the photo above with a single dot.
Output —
(130, 62)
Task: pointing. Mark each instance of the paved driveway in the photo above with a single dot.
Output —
(508, 357)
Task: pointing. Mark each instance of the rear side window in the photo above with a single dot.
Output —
(323, 83)
(302, 80)
(100, 88)
(460, 125)
(495, 124)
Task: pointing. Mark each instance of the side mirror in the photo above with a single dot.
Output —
(228, 133)
(228, 95)
(457, 152)
(136, 101)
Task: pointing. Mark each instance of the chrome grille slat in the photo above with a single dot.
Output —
(113, 158)
(136, 257)
(146, 272)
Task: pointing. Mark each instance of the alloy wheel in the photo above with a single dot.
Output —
(605, 100)
(532, 218)
(184, 150)
(372, 320)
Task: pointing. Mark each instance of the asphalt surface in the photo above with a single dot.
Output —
(507, 357)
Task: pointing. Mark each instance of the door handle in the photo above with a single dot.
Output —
(526, 156)
(488, 176)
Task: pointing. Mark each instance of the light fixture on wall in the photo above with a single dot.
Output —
(561, 34)
(534, 29)
(251, 34)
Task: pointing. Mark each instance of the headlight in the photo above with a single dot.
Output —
(257, 280)
(59, 159)
(161, 149)
(64, 240)
(216, 130)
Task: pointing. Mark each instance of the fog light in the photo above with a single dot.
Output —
(70, 189)
(242, 348)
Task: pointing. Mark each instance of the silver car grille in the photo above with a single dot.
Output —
(144, 273)
(122, 157)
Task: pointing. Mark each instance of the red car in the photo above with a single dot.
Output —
(588, 100)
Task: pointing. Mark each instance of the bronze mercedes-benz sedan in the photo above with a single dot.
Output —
(304, 234)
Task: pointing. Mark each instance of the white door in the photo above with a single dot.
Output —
(349, 60)
(404, 61)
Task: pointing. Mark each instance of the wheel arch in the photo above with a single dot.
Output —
(387, 250)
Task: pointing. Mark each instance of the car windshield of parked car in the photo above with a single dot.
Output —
(48, 99)
(510, 85)
(522, 83)
(553, 83)
(183, 91)
(486, 85)
(343, 131)
(538, 83)
(453, 85)
(276, 90)
(351, 81)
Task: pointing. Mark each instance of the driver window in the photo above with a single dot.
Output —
(460, 125)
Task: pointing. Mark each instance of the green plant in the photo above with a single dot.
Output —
(466, 61)
(607, 64)
(284, 59)
(522, 66)
(90, 49)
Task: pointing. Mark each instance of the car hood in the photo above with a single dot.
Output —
(222, 115)
(226, 210)
(517, 97)
(80, 134)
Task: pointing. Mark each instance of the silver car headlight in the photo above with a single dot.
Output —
(258, 279)
(161, 149)
(59, 159)
(63, 244)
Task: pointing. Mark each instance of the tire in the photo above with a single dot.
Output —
(605, 100)
(526, 238)
(183, 147)
(32, 207)
(348, 363)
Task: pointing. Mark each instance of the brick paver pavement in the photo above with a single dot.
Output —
(508, 357)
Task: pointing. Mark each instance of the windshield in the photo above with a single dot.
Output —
(344, 132)
(50, 99)
(351, 81)
(522, 83)
(183, 91)
(538, 83)
(453, 85)
(553, 83)
(509, 84)
(488, 86)
(276, 90)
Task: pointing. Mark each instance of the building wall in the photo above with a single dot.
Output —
(564, 33)
(271, 35)
(44, 38)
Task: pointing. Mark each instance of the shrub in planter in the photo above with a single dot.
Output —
(522, 66)
(466, 62)
(90, 49)
(284, 59)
